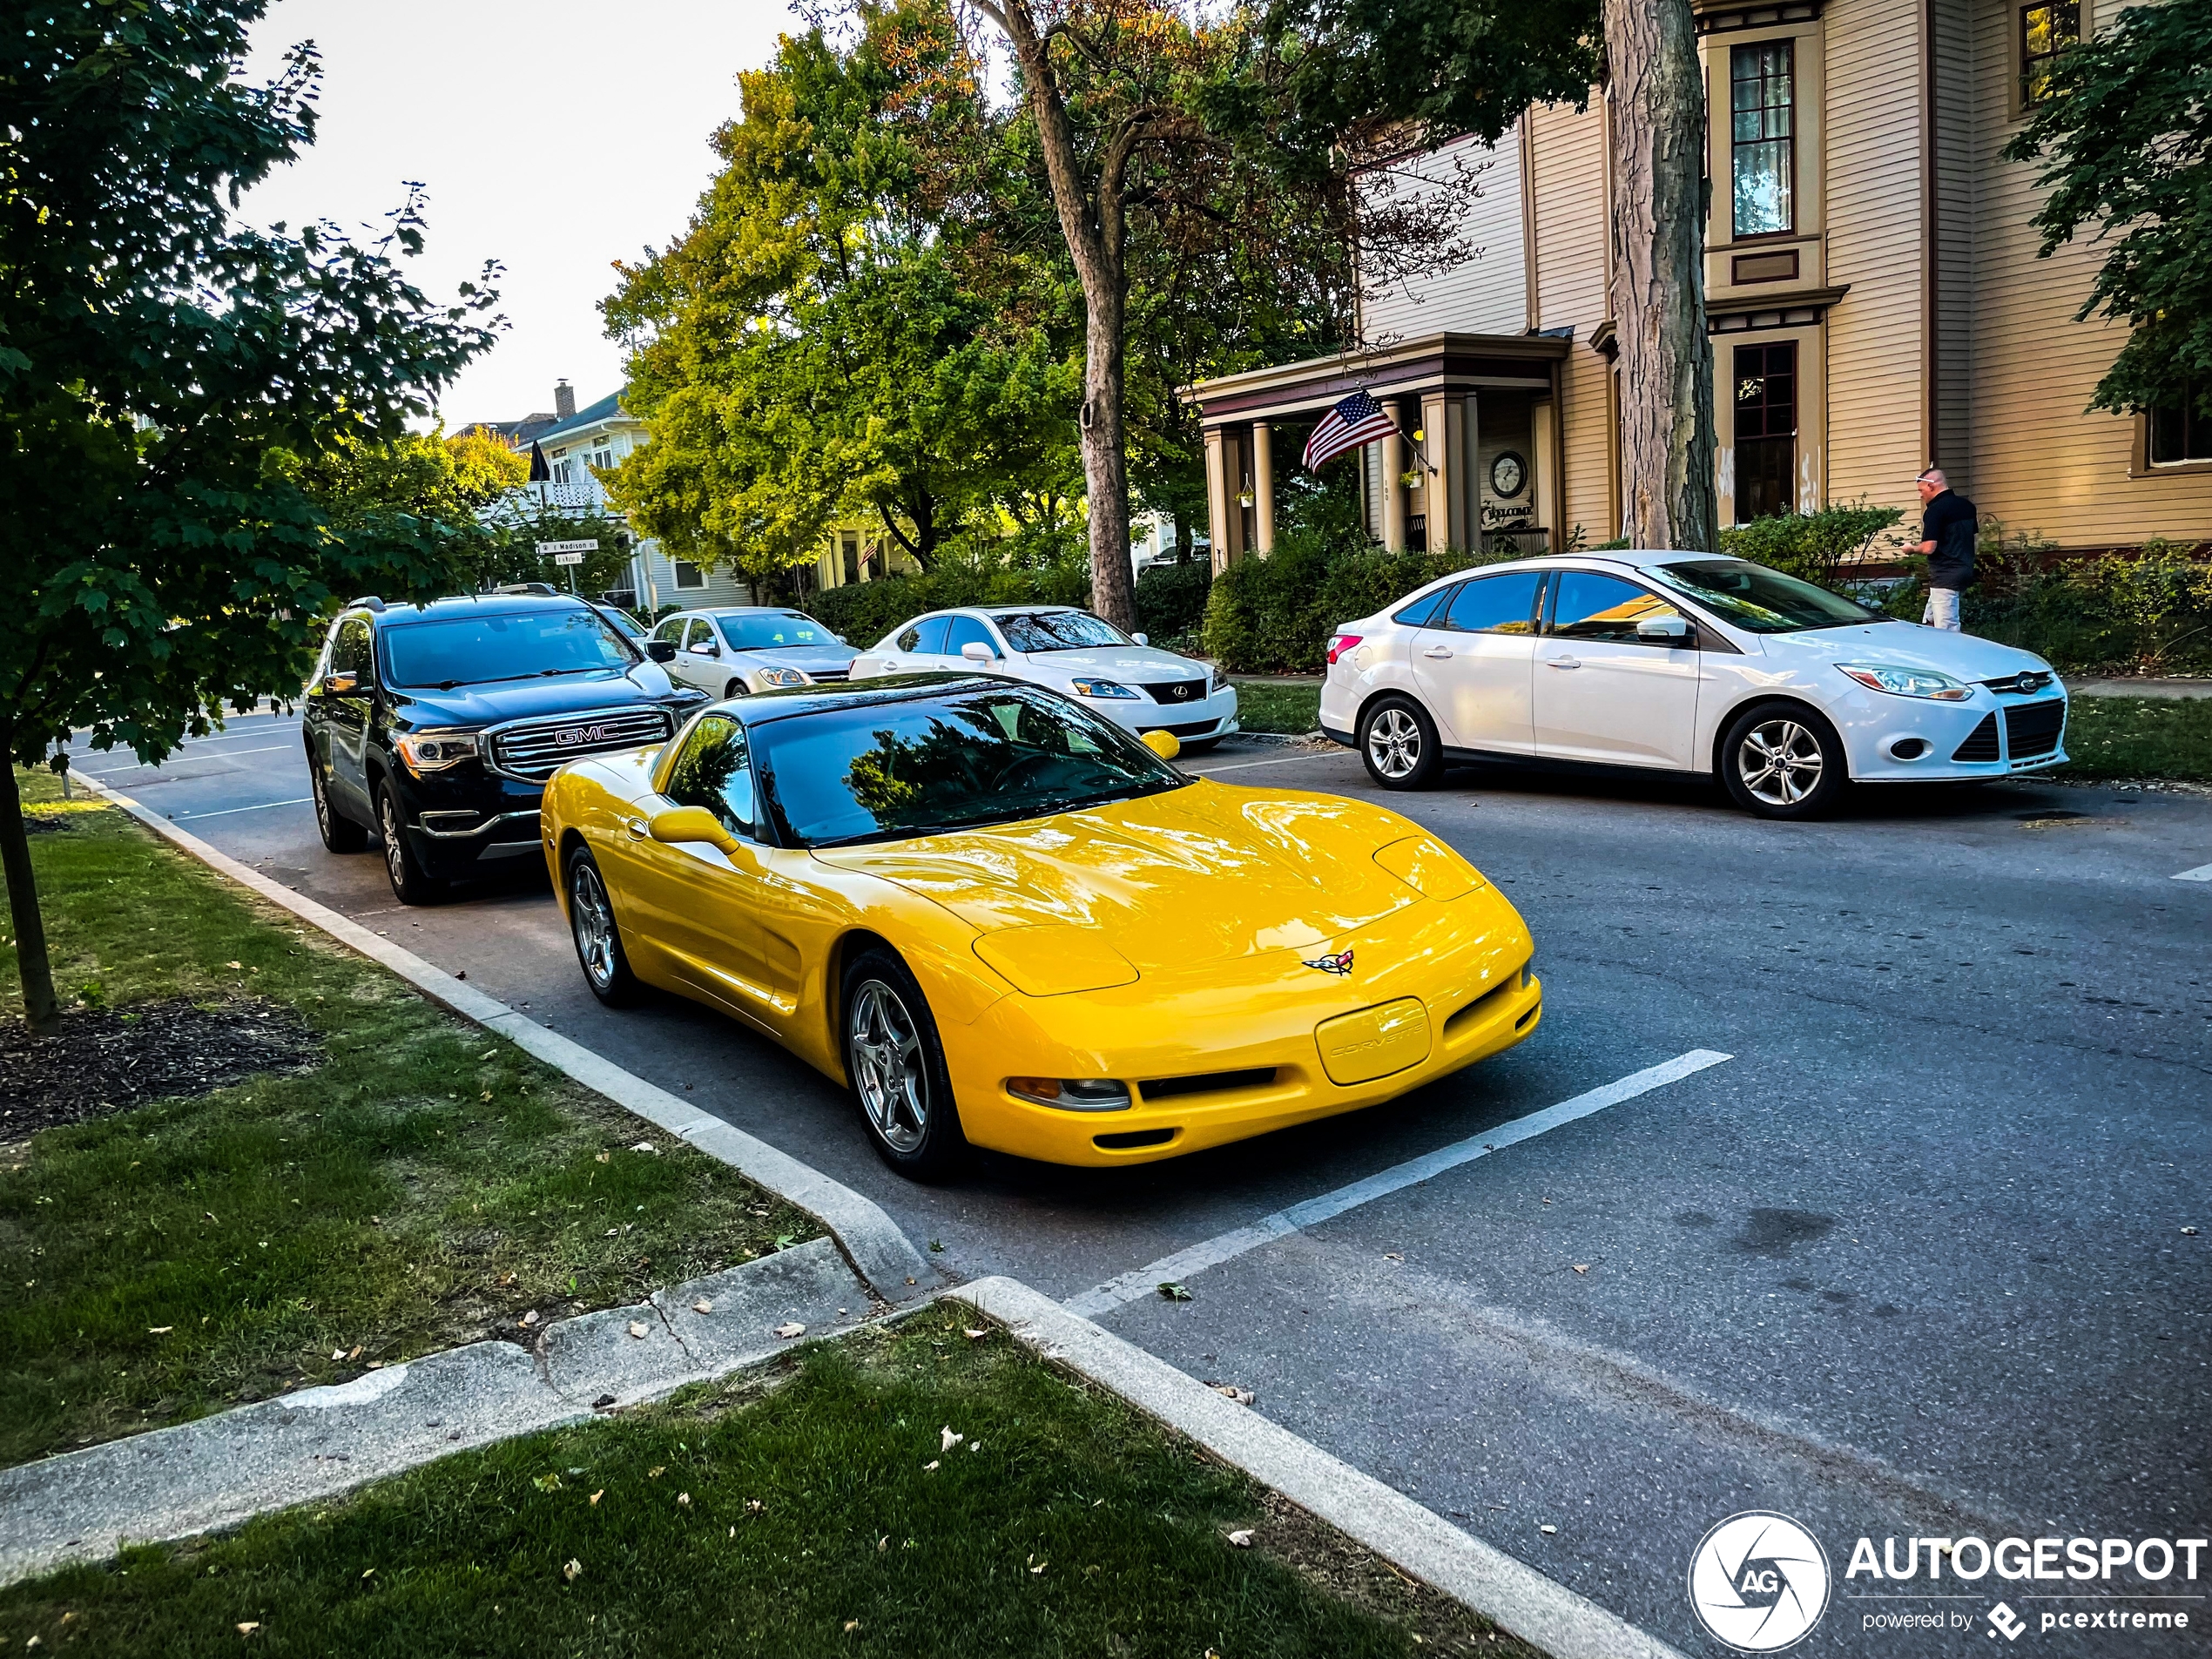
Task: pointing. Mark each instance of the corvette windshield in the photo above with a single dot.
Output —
(772, 630)
(503, 645)
(884, 771)
(1060, 631)
(1758, 600)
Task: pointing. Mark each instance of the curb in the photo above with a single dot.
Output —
(883, 1255)
(1509, 1592)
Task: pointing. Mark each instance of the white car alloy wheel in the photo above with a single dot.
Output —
(889, 1070)
(1780, 762)
(1394, 743)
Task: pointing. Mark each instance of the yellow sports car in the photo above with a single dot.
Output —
(1005, 921)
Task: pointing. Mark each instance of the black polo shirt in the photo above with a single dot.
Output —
(1951, 523)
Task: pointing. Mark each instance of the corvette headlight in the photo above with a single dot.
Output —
(1109, 689)
(1908, 682)
(782, 676)
(1072, 1094)
(435, 750)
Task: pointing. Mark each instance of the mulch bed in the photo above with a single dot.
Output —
(102, 1061)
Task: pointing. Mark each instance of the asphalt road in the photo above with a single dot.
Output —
(1910, 1262)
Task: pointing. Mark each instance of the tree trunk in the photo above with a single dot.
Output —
(39, 1004)
(1655, 106)
(1182, 539)
(1113, 582)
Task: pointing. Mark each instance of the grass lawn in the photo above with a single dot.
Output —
(1271, 706)
(2140, 737)
(424, 1185)
(813, 1508)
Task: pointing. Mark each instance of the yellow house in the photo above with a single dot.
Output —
(1875, 307)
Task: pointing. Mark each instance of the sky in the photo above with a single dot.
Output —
(555, 137)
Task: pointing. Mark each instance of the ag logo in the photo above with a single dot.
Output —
(1759, 1582)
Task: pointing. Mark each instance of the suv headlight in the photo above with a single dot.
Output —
(1908, 682)
(435, 750)
(782, 676)
(1109, 689)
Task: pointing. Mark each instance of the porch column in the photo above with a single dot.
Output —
(1263, 487)
(1394, 491)
(1219, 505)
(1444, 420)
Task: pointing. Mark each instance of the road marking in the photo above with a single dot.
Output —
(179, 755)
(1146, 1281)
(1283, 760)
(227, 811)
(2202, 873)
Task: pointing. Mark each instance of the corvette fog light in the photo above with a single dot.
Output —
(1072, 1094)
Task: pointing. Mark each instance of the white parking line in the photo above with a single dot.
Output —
(1283, 760)
(262, 807)
(2202, 873)
(181, 754)
(1146, 1281)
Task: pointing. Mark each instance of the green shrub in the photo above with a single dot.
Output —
(1046, 568)
(1171, 599)
(1274, 615)
(1815, 547)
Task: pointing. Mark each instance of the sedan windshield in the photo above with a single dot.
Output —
(879, 771)
(1758, 600)
(772, 630)
(503, 645)
(1060, 631)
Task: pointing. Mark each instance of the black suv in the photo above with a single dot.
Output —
(435, 726)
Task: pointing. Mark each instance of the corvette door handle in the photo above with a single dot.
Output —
(1437, 651)
(635, 827)
(1563, 662)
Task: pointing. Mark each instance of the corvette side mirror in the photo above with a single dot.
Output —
(661, 650)
(681, 824)
(1673, 629)
(1165, 744)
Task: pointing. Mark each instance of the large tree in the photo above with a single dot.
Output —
(162, 371)
(2124, 123)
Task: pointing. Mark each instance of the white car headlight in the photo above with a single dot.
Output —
(1908, 682)
(435, 750)
(1113, 690)
(1217, 682)
(782, 676)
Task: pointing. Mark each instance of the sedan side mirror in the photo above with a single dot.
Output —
(976, 652)
(661, 650)
(1673, 630)
(705, 648)
(1142, 639)
(681, 824)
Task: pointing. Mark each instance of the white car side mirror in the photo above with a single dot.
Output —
(1142, 639)
(1673, 628)
(976, 652)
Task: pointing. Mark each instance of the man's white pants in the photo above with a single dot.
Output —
(1942, 610)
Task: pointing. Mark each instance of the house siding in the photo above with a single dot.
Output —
(1488, 294)
(1567, 172)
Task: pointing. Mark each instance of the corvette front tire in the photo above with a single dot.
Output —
(598, 941)
(897, 1068)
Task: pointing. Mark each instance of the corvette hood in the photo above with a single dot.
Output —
(1195, 875)
(1963, 656)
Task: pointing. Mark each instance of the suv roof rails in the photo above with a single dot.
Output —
(546, 588)
(367, 601)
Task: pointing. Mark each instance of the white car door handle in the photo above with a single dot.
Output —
(1563, 662)
(1437, 651)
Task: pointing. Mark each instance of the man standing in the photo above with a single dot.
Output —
(1948, 531)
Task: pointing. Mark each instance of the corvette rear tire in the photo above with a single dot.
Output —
(339, 833)
(1782, 761)
(1399, 743)
(598, 940)
(897, 1068)
(411, 883)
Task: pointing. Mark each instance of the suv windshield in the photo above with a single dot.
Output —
(503, 645)
(1060, 631)
(772, 630)
(879, 771)
(1758, 600)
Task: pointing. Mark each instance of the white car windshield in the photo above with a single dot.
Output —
(1059, 631)
(1760, 601)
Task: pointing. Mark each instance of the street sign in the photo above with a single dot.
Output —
(567, 558)
(591, 546)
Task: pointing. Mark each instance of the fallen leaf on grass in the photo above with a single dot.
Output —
(684, 1499)
(657, 1470)
(883, 1543)
(927, 1466)
(233, 964)
(596, 1496)
(357, 1352)
(368, 1572)
(337, 1353)
(1242, 1538)
(754, 1506)
(605, 1157)
(1040, 1566)
(948, 1438)
(702, 1306)
(573, 1571)
(644, 1146)
(159, 1330)
(789, 1329)
(546, 1482)
(1173, 1292)
(249, 1627)
(636, 1331)
(851, 1625)
(972, 1335)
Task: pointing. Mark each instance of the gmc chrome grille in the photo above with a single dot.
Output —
(533, 749)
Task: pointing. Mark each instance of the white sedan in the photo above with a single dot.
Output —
(1682, 662)
(1132, 683)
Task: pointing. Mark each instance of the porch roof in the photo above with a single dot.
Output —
(1424, 363)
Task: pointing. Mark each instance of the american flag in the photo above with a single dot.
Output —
(1356, 420)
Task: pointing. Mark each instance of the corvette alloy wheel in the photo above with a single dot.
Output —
(889, 1069)
(593, 919)
(1780, 762)
(1394, 743)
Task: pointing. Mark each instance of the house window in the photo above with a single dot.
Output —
(1764, 137)
(2045, 30)
(688, 575)
(604, 454)
(848, 551)
(562, 473)
(1766, 430)
(2182, 431)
